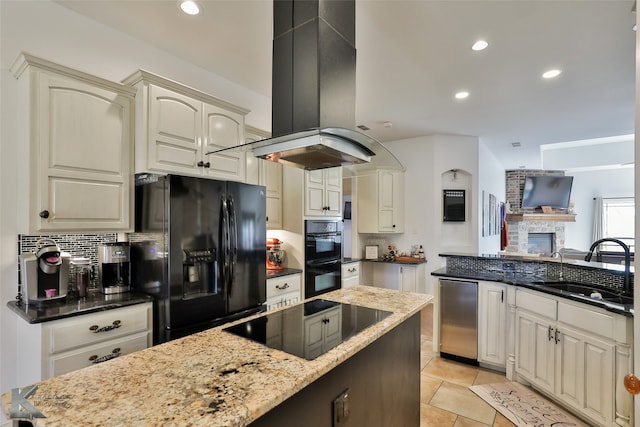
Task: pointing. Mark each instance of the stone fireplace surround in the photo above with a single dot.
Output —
(519, 230)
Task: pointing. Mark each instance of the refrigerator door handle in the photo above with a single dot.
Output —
(226, 246)
(233, 240)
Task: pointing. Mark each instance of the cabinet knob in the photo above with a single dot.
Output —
(200, 163)
(207, 165)
(632, 384)
(394, 226)
(44, 214)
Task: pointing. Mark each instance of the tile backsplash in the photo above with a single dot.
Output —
(77, 245)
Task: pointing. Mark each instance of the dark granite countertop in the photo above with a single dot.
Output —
(284, 272)
(347, 260)
(72, 307)
(526, 282)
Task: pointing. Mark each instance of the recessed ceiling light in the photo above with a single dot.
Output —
(551, 74)
(462, 95)
(190, 7)
(480, 45)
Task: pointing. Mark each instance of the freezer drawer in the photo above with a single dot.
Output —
(459, 318)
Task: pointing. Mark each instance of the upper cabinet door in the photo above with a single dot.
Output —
(323, 193)
(177, 125)
(381, 202)
(175, 128)
(76, 133)
(223, 129)
(314, 193)
(333, 191)
(85, 141)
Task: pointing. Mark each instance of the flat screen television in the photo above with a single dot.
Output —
(553, 191)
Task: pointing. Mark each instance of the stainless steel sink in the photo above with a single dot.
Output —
(578, 289)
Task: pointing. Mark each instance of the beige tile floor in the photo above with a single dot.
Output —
(445, 399)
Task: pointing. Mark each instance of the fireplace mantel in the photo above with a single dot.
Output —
(559, 217)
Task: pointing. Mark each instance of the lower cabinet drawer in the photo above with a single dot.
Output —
(81, 331)
(350, 270)
(279, 286)
(283, 300)
(87, 356)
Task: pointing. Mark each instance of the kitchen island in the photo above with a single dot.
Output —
(214, 378)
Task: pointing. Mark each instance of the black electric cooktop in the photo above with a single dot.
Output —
(310, 329)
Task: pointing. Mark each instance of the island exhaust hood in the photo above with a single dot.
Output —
(313, 93)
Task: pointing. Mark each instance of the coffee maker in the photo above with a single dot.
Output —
(45, 273)
(113, 262)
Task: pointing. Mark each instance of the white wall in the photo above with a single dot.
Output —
(426, 160)
(586, 186)
(492, 180)
(45, 29)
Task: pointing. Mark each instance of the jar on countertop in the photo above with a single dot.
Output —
(81, 275)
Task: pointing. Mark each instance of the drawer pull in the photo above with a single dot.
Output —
(283, 286)
(115, 353)
(115, 325)
(351, 270)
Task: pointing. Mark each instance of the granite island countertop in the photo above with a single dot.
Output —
(211, 378)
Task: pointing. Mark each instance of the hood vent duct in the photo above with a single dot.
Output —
(314, 65)
(314, 91)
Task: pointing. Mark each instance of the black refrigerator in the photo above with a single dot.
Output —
(199, 250)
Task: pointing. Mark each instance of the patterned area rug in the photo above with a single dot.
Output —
(523, 406)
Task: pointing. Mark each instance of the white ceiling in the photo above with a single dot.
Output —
(412, 56)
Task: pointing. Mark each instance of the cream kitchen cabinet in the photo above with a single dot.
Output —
(381, 202)
(323, 193)
(576, 353)
(403, 277)
(283, 291)
(350, 272)
(492, 323)
(75, 149)
(269, 174)
(54, 348)
(176, 126)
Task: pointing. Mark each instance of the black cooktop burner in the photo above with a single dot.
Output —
(310, 329)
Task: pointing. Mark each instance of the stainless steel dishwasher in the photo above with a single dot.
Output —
(459, 320)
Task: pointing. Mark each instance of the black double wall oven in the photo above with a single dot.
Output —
(323, 255)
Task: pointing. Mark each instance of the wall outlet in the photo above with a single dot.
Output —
(341, 409)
